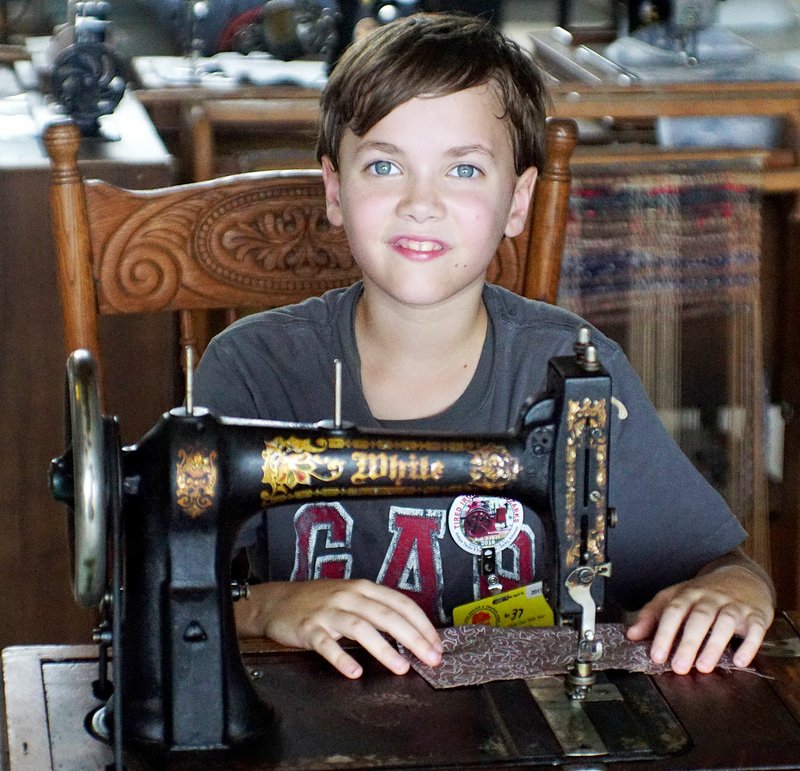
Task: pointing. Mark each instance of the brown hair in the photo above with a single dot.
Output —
(433, 54)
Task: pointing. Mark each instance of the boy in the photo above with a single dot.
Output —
(431, 134)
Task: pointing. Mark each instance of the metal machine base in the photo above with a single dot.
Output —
(623, 714)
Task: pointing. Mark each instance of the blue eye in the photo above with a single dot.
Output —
(465, 171)
(382, 168)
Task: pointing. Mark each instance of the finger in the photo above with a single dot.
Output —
(361, 618)
(419, 646)
(696, 627)
(644, 624)
(406, 607)
(374, 643)
(669, 625)
(323, 638)
(647, 618)
(398, 626)
(402, 619)
(332, 652)
(746, 652)
(724, 628)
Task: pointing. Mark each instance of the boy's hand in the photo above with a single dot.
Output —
(728, 599)
(315, 615)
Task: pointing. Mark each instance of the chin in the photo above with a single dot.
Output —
(417, 291)
(428, 299)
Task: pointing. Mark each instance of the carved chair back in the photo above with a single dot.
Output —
(253, 240)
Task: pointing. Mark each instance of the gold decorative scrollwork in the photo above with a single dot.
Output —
(493, 467)
(195, 481)
(586, 428)
(292, 462)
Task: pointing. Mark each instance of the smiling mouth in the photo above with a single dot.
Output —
(419, 249)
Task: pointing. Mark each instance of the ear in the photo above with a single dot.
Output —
(521, 202)
(333, 207)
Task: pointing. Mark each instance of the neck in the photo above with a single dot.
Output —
(417, 361)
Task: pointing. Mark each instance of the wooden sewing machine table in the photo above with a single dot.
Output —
(733, 720)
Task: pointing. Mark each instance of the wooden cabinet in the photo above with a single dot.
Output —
(36, 604)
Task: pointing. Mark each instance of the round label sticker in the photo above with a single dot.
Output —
(485, 615)
(478, 522)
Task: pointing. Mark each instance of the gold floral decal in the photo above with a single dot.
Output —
(195, 481)
(492, 467)
(586, 421)
(291, 463)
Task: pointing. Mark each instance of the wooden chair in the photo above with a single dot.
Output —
(253, 240)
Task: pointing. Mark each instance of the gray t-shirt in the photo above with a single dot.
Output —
(278, 365)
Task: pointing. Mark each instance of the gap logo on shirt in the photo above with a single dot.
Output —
(412, 564)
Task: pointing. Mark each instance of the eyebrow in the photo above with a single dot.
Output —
(454, 152)
(383, 147)
(457, 152)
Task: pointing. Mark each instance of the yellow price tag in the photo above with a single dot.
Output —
(524, 606)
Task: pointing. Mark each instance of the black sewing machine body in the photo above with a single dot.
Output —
(184, 490)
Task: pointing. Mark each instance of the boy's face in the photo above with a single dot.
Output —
(427, 193)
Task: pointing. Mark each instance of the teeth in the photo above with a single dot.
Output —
(420, 246)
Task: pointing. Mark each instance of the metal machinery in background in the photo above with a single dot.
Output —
(86, 76)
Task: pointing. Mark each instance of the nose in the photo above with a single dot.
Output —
(421, 199)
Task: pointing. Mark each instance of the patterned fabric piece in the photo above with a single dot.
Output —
(481, 654)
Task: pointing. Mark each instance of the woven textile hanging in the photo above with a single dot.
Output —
(665, 260)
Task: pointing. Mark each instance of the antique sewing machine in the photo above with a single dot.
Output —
(649, 39)
(683, 19)
(164, 514)
(676, 33)
(86, 76)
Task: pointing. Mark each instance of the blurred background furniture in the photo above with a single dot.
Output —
(628, 125)
(288, 128)
(36, 604)
(666, 258)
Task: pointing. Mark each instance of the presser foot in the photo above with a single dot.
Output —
(580, 674)
(579, 680)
